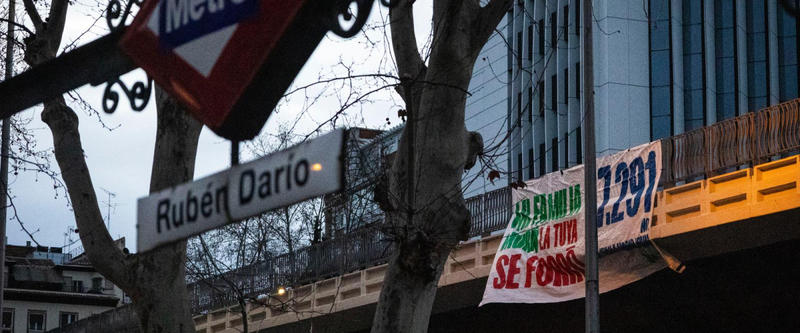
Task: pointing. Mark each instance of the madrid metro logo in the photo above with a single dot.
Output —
(227, 61)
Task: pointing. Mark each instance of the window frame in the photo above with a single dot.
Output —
(9, 329)
(61, 317)
(44, 321)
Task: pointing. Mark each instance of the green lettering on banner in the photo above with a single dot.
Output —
(527, 241)
(576, 192)
(556, 213)
(546, 207)
(522, 210)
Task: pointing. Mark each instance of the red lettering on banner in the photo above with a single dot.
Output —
(569, 274)
(543, 275)
(558, 276)
(544, 238)
(565, 233)
(530, 266)
(513, 270)
(576, 264)
(574, 231)
(559, 270)
(500, 281)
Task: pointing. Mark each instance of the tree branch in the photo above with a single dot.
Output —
(33, 14)
(490, 17)
(24, 28)
(97, 242)
(404, 40)
(55, 21)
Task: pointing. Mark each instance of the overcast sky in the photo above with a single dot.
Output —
(120, 160)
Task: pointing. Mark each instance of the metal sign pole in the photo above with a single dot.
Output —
(4, 150)
(590, 177)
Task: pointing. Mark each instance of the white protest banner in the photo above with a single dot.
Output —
(541, 255)
(307, 170)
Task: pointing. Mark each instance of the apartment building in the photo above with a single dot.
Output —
(45, 288)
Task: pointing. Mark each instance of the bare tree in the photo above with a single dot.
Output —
(228, 262)
(145, 277)
(422, 198)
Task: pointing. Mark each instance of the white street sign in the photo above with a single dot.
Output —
(304, 171)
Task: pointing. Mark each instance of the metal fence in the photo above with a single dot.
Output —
(742, 141)
(746, 140)
(354, 251)
(489, 212)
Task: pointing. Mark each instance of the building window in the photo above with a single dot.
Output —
(519, 49)
(8, 320)
(540, 28)
(757, 62)
(578, 146)
(554, 153)
(67, 318)
(578, 18)
(553, 93)
(553, 30)
(530, 163)
(693, 65)
(36, 321)
(541, 99)
(530, 42)
(566, 149)
(565, 78)
(530, 104)
(660, 70)
(788, 56)
(77, 286)
(542, 162)
(566, 23)
(519, 166)
(519, 109)
(97, 284)
(725, 49)
(578, 80)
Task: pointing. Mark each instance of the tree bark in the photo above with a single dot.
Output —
(162, 272)
(154, 280)
(443, 148)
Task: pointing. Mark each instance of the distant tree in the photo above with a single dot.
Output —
(229, 261)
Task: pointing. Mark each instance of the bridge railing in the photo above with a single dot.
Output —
(489, 211)
(745, 140)
(354, 251)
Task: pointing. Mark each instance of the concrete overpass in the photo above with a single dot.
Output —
(737, 230)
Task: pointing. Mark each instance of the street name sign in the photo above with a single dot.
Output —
(227, 61)
(304, 171)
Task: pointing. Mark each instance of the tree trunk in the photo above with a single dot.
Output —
(434, 218)
(162, 272)
(154, 280)
(243, 313)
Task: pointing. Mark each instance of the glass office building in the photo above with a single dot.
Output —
(661, 67)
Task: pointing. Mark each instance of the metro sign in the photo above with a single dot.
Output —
(227, 61)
